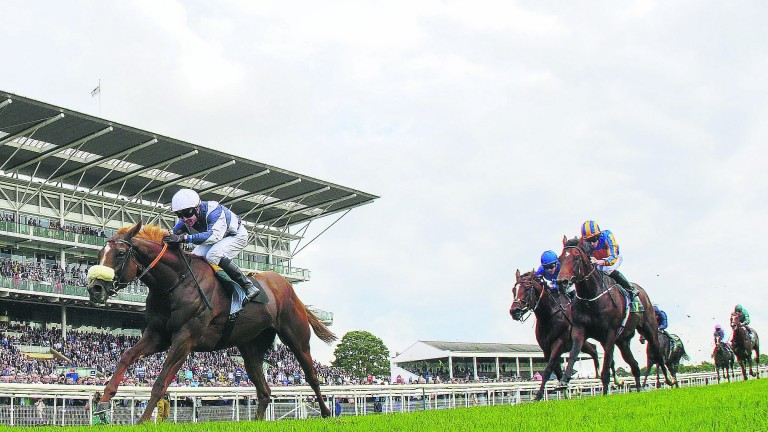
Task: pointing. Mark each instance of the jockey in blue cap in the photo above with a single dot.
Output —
(549, 269)
(217, 232)
(604, 253)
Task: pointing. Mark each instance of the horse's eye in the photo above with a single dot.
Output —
(120, 253)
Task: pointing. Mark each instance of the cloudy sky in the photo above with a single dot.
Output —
(489, 129)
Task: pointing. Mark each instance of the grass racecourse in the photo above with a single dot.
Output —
(741, 406)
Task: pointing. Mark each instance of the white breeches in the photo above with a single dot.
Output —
(227, 247)
(609, 269)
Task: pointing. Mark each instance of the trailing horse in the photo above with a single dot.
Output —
(671, 356)
(725, 360)
(743, 346)
(553, 324)
(187, 309)
(600, 311)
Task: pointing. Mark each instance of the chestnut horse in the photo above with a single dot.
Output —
(553, 324)
(743, 346)
(598, 312)
(671, 357)
(187, 309)
(725, 360)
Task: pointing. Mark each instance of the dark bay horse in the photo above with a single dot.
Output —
(742, 346)
(671, 356)
(187, 309)
(598, 312)
(553, 324)
(725, 360)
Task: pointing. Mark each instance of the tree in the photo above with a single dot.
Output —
(360, 353)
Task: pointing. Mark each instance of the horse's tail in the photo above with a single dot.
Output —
(685, 355)
(319, 328)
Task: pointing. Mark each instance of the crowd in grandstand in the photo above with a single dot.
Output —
(52, 224)
(54, 275)
(102, 351)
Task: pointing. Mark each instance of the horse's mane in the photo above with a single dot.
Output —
(150, 232)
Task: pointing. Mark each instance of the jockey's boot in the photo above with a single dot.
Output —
(618, 277)
(234, 272)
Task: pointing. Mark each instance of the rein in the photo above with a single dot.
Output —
(538, 301)
(587, 276)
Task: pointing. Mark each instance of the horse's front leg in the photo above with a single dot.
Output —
(605, 373)
(577, 341)
(552, 357)
(177, 354)
(149, 343)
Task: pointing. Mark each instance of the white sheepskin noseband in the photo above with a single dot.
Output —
(102, 273)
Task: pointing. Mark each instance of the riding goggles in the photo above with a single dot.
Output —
(550, 266)
(186, 213)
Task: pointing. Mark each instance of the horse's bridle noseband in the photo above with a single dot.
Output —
(117, 285)
(525, 304)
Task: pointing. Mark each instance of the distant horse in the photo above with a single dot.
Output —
(553, 324)
(187, 309)
(725, 360)
(598, 312)
(671, 357)
(742, 346)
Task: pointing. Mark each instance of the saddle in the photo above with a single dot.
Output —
(236, 291)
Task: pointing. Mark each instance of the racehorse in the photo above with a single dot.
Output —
(187, 309)
(671, 356)
(742, 346)
(598, 312)
(553, 324)
(725, 360)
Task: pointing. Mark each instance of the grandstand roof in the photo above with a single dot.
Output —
(479, 347)
(65, 148)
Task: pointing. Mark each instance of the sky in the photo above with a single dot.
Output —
(489, 129)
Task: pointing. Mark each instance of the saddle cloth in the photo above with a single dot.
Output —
(238, 295)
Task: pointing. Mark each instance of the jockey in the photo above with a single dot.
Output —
(549, 269)
(217, 232)
(604, 254)
(720, 339)
(744, 319)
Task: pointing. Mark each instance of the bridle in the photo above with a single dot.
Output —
(117, 284)
(578, 279)
(525, 304)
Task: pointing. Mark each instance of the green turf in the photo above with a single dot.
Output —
(724, 407)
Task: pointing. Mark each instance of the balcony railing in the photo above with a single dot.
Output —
(68, 290)
(295, 273)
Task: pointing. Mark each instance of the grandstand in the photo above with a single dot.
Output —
(69, 180)
(473, 361)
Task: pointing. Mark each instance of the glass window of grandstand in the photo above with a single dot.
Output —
(508, 368)
(486, 367)
(463, 368)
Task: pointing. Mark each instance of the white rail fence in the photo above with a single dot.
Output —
(70, 404)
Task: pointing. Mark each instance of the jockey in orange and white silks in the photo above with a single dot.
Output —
(216, 231)
(604, 253)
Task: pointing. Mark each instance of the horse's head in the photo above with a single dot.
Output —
(735, 321)
(575, 265)
(527, 291)
(120, 261)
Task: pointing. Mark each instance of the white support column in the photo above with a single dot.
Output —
(474, 366)
(517, 362)
(450, 367)
(498, 370)
(64, 322)
(530, 360)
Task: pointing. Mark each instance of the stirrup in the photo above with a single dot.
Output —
(252, 293)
